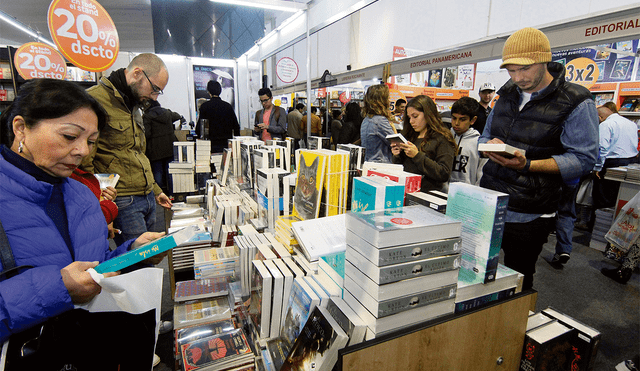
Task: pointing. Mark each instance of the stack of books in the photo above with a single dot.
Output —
(633, 173)
(474, 293)
(376, 193)
(201, 289)
(401, 266)
(203, 156)
(284, 231)
(216, 262)
(604, 221)
(434, 199)
(554, 340)
(269, 190)
(318, 142)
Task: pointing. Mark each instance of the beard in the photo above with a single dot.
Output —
(135, 90)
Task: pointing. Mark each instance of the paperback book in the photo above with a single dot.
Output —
(320, 237)
(409, 224)
(148, 250)
(348, 320)
(316, 348)
(196, 312)
(199, 289)
(502, 149)
(482, 213)
(260, 304)
(403, 253)
(219, 351)
(376, 193)
(311, 170)
(189, 334)
(548, 347)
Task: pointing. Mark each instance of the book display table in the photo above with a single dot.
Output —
(489, 338)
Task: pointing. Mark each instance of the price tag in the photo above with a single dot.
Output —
(84, 32)
(582, 71)
(38, 60)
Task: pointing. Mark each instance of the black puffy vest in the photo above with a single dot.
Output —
(536, 129)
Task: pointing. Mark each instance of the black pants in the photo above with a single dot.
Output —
(522, 243)
(605, 192)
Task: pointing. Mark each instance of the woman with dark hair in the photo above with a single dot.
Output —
(430, 148)
(54, 225)
(350, 132)
(377, 124)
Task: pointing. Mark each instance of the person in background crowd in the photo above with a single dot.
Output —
(336, 125)
(160, 135)
(555, 123)
(467, 164)
(350, 132)
(377, 124)
(121, 147)
(398, 113)
(315, 123)
(223, 123)
(271, 121)
(486, 92)
(430, 149)
(294, 118)
(618, 147)
(54, 225)
(323, 121)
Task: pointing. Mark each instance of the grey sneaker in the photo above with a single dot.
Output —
(165, 326)
(560, 258)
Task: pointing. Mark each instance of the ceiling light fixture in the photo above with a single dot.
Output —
(26, 29)
(284, 6)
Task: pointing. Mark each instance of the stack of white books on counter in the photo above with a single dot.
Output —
(401, 266)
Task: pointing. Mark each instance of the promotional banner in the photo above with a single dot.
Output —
(84, 33)
(224, 75)
(38, 60)
(611, 66)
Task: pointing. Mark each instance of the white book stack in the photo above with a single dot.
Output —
(269, 187)
(216, 262)
(474, 293)
(482, 213)
(203, 156)
(280, 155)
(401, 266)
(182, 168)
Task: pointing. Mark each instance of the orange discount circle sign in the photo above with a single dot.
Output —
(84, 32)
(38, 60)
(582, 71)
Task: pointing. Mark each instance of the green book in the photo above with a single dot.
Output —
(143, 252)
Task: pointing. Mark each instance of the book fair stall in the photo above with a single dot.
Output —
(288, 257)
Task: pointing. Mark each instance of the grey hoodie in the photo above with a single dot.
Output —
(467, 165)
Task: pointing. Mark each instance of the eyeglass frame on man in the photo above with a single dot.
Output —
(154, 87)
(265, 100)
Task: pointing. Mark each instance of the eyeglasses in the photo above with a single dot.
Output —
(265, 100)
(155, 88)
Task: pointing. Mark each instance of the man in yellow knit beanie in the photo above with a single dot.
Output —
(555, 124)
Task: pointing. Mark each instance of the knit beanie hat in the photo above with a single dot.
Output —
(526, 46)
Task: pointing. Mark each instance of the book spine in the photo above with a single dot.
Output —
(389, 307)
(404, 253)
(483, 300)
(496, 238)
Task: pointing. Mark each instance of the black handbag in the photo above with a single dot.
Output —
(79, 339)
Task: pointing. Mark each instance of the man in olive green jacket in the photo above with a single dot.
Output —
(121, 145)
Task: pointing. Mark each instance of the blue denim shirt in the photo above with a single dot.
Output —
(373, 133)
(580, 140)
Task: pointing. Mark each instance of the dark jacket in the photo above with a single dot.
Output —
(349, 133)
(277, 122)
(159, 131)
(434, 162)
(223, 122)
(536, 129)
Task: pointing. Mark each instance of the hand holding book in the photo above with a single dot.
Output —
(505, 155)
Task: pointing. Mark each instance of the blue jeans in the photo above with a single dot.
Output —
(566, 219)
(136, 215)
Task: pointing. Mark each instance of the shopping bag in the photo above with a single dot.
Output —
(625, 229)
(584, 196)
(117, 330)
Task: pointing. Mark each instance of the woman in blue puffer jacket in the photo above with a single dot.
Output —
(54, 224)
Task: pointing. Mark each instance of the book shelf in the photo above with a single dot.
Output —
(489, 338)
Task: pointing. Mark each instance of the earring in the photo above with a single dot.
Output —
(21, 147)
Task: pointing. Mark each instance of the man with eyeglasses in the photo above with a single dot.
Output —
(121, 146)
(270, 121)
(555, 124)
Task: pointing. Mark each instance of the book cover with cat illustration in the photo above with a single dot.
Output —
(306, 200)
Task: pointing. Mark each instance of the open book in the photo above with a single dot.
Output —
(396, 138)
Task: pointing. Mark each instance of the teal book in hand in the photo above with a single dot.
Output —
(146, 251)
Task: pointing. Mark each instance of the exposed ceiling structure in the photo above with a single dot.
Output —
(132, 18)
